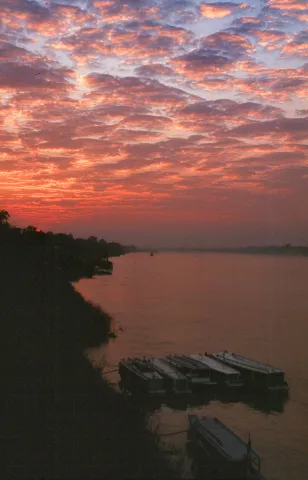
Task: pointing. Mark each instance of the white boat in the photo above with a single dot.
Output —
(138, 375)
(174, 380)
(220, 372)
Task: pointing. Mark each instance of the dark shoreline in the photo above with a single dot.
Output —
(61, 419)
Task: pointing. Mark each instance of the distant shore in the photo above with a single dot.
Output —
(265, 250)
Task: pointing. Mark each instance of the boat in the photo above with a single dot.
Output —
(105, 267)
(199, 374)
(102, 271)
(175, 381)
(256, 375)
(222, 374)
(221, 449)
(138, 375)
(151, 254)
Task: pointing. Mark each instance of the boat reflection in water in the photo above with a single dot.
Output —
(264, 404)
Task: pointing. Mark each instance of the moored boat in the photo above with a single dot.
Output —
(102, 271)
(199, 374)
(104, 267)
(175, 381)
(138, 375)
(223, 374)
(256, 375)
(217, 446)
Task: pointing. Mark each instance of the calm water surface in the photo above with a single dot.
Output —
(195, 302)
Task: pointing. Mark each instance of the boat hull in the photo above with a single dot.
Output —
(174, 381)
(255, 381)
(134, 381)
(209, 459)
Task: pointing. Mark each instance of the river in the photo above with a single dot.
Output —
(255, 305)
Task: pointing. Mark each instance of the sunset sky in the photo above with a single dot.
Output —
(156, 122)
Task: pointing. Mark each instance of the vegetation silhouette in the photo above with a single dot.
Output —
(74, 256)
(62, 420)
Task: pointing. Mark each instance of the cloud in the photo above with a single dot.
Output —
(217, 54)
(287, 5)
(154, 70)
(30, 77)
(163, 107)
(298, 46)
(220, 9)
(283, 129)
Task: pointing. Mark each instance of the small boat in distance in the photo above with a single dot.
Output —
(199, 374)
(255, 374)
(102, 271)
(151, 254)
(223, 374)
(217, 446)
(175, 381)
(104, 267)
(138, 375)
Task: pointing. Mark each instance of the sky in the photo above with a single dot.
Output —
(156, 122)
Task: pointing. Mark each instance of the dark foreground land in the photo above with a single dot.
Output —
(59, 419)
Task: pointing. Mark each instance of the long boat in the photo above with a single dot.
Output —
(175, 381)
(139, 375)
(199, 374)
(223, 374)
(217, 446)
(256, 375)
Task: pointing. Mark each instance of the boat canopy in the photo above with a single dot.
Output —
(167, 368)
(215, 364)
(243, 362)
(222, 438)
(140, 368)
(186, 362)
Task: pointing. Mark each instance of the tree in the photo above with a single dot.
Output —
(30, 228)
(4, 217)
(92, 239)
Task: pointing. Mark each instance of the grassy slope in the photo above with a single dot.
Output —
(61, 419)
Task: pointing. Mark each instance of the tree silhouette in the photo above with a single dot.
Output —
(4, 217)
(76, 256)
(30, 228)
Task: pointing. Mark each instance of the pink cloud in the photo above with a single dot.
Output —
(120, 109)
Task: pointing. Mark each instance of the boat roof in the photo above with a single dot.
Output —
(221, 436)
(243, 362)
(146, 371)
(167, 368)
(185, 361)
(214, 364)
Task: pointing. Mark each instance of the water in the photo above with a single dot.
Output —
(195, 302)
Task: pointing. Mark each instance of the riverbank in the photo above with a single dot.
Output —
(61, 419)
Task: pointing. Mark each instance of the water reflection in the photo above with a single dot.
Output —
(256, 306)
(266, 404)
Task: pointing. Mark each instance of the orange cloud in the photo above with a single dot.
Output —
(215, 10)
(87, 129)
